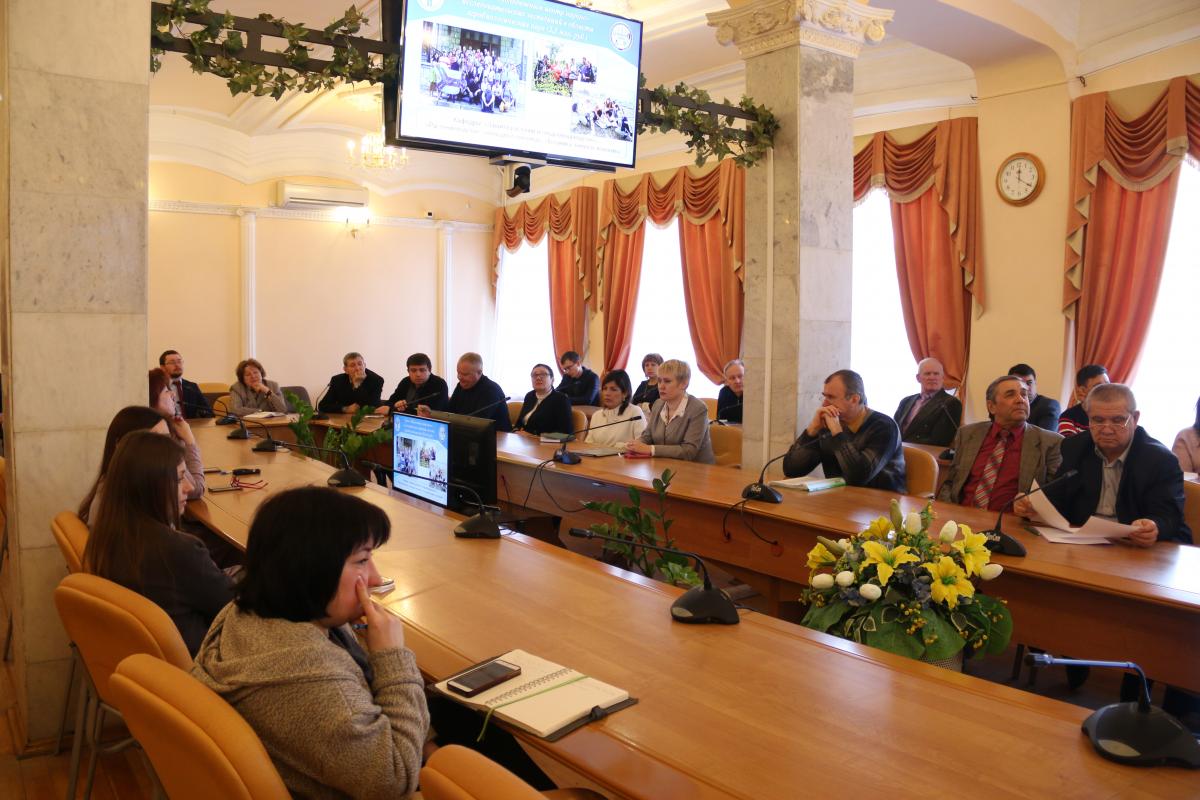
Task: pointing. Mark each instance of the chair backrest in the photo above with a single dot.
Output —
(579, 421)
(199, 745)
(514, 411)
(224, 404)
(299, 391)
(72, 536)
(711, 402)
(921, 470)
(108, 622)
(1191, 507)
(456, 773)
(726, 444)
(213, 387)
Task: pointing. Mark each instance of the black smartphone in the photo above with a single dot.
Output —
(215, 489)
(247, 471)
(483, 677)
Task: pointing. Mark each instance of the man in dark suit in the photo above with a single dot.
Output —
(354, 388)
(932, 416)
(421, 387)
(995, 460)
(476, 395)
(1123, 473)
(579, 384)
(1043, 411)
(187, 394)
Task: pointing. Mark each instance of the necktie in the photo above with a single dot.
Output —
(987, 481)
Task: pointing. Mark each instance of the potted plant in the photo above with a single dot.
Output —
(896, 587)
(346, 439)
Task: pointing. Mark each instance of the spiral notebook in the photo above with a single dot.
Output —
(546, 699)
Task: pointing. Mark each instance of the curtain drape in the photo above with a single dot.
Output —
(1123, 175)
(711, 211)
(939, 262)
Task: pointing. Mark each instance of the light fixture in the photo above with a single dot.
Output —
(372, 153)
(357, 220)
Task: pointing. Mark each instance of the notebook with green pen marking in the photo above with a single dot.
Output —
(546, 699)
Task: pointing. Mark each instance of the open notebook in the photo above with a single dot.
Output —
(546, 699)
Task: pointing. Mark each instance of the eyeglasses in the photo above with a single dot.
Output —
(536, 375)
(1112, 424)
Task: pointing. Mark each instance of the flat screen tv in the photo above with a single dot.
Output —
(472, 458)
(535, 79)
(421, 457)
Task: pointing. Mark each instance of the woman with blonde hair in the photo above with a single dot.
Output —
(678, 424)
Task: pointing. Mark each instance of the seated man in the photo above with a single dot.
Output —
(993, 461)
(1123, 473)
(1043, 411)
(421, 387)
(356, 387)
(188, 396)
(476, 395)
(729, 399)
(1075, 420)
(932, 416)
(849, 440)
(579, 384)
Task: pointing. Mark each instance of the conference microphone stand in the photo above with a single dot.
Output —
(759, 490)
(480, 526)
(342, 478)
(562, 456)
(723, 422)
(240, 431)
(1000, 542)
(699, 605)
(269, 444)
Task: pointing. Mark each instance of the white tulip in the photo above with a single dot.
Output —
(822, 581)
(949, 532)
(845, 543)
(991, 571)
(870, 592)
(912, 523)
(845, 578)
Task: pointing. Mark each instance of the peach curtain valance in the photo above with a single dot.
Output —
(573, 218)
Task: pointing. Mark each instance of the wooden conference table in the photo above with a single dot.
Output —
(760, 710)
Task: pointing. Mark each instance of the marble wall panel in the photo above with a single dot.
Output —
(46, 691)
(827, 292)
(41, 570)
(102, 58)
(55, 469)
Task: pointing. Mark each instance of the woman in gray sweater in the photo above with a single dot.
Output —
(253, 392)
(678, 423)
(338, 722)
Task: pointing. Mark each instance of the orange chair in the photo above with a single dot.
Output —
(107, 623)
(199, 745)
(71, 534)
(711, 402)
(579, 422)
(726, 444)
(921, 471)
(514, 411)
(456, 773)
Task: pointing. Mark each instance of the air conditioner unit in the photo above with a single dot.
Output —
(298, 195)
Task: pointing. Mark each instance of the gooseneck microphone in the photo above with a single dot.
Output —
(1000, 542)
(721, 421)
(240, 431)
(488, 407)
(699, 605)
(480, 526)
(759, 490)
(267, 445)
(562, 456)
(948, 453)
(316, 405)
(344, 477)
(1134, 732)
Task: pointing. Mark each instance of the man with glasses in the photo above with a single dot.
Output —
(579, 384)
(188, 396)
(1123, 473)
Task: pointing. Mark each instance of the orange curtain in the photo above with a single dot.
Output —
(571, 224)
(938, 257)
(711, 208)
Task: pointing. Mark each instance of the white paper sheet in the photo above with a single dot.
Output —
(1096, 530)
(1061, 537)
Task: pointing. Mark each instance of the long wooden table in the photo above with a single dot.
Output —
(1106, 602)
(761, 710)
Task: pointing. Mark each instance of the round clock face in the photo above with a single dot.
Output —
(1019, 179)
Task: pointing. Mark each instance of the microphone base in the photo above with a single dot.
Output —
(480, 526)
(226, 420)
(700, 606)
(1000, 542)
(320, 415)
(346, 477)
(1122, 733)
(239, 433)
(269, 446)
(566, 457)
(762, 493)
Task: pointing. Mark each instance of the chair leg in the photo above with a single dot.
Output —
(81, 717)
(96, 730)
(1016, 669)
(62, 725)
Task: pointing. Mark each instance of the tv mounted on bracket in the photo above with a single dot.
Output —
(534, 80)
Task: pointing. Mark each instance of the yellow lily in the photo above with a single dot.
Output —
(820, 556)
(886, 560)
(974, 553)
(949, 581)
(878, 529)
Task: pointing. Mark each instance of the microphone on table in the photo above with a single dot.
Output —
(317, 412)
(1000, 542)
(480, 526)
(344, 477)
(228, 419)
(719, 420)
(269, 444)
(232, 419)
(948, 453)
(699, 605)
(488, 407)
(1134, 732)
(562, 456)
(759, 490)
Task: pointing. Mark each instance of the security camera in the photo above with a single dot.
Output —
(516, 179)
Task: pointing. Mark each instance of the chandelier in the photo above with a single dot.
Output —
(372, 153)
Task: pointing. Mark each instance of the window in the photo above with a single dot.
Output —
(1167, 382)
(879, 348)
(660, 323)
(522, 318)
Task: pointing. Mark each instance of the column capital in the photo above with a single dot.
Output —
(836, 26)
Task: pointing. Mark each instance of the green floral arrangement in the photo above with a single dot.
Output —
(346, 439)
(896, 587)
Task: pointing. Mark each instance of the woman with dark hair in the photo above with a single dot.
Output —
(647, 391)
(135, 541)
(127, 420)
(163, 399)
(253, 392)
(1187, 445)
(615, 407)
(546, 410)
(337, 721)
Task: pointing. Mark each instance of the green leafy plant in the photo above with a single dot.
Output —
(639, 526)
(346, 439)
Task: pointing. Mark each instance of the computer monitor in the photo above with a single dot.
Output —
(421, 457)
(472, 458)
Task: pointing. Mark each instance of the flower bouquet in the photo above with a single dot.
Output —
(895, 587)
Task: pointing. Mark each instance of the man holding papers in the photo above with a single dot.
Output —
(1124, 475)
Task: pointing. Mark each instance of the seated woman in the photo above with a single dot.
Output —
(678, 425)
(1187, 446)
(127, 420)
(545, 410)
(729, 399)
(337, 721)
(647, 390)
(163, 399)
(253, 392)
(614, 408)
(135, 541)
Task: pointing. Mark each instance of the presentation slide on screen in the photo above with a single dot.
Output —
(521, 75)
(421, 457)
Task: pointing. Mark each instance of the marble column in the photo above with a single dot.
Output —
(73, 133)
(799, 63)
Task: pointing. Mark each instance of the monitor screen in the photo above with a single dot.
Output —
(421, 457)
(534, 78)
(472, 458)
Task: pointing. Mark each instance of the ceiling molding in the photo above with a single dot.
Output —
(326, 215)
